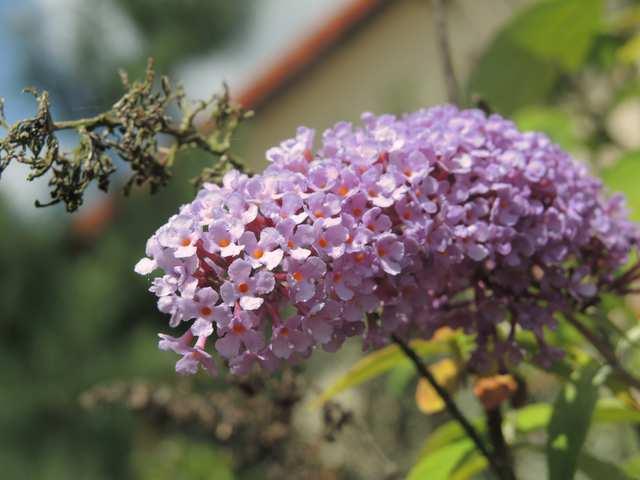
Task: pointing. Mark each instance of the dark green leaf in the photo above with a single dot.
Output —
(570, 421)
(598, 469)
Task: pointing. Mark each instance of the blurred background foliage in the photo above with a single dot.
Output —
(73, 315)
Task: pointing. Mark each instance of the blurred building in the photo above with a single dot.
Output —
(371, 55)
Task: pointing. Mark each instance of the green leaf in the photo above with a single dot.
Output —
(379, 362)
(552, 121)
(632, 467)
(593, 467)
(440, 464)
(529, 419)
(508, 77)
(527, 56)
(470, 466)
(447, 434)
(598, 469)
(399, 377)
(570, 421)
(532, 417)
(180, 458)
(559, 31)
(623, 177)
(610, 410)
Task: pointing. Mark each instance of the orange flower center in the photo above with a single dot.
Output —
(406, 215)
(323, 242)
(290, 244)
(258, 253)
(357, 211)
(238, 328)
(407, 172)
(359, 257)
(343, 190)
(349, 238)
(205, 311)
(297, 276)
(185, 242)
(284, 331)
(224, 243)
(318, 214)
(243, 287)
(381, 251)
(372, 193)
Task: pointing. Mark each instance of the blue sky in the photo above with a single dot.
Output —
(10, 88)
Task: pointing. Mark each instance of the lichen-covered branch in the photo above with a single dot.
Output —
(131, 130)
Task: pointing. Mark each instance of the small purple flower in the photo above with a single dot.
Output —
(240, 332)
(223, 237)
(193, 357)
(303, 276)
(244, 287)
(376, 221)
(330, 241)
(240, 209)
(180, 236)
(264, 252)
(287, 206)
(293, 240)
(289, 337)
(390, 253)
(323, 207)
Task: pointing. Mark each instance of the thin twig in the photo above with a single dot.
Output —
(607, 353)
(452, 408)
(440, 23)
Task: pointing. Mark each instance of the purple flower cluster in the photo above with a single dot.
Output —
(442, 217)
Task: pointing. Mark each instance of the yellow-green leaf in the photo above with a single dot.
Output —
(469, 467)
(623, 177)
(440, 464)
(379, 362)
(529, 419)
(632, 467)
(630, 51)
